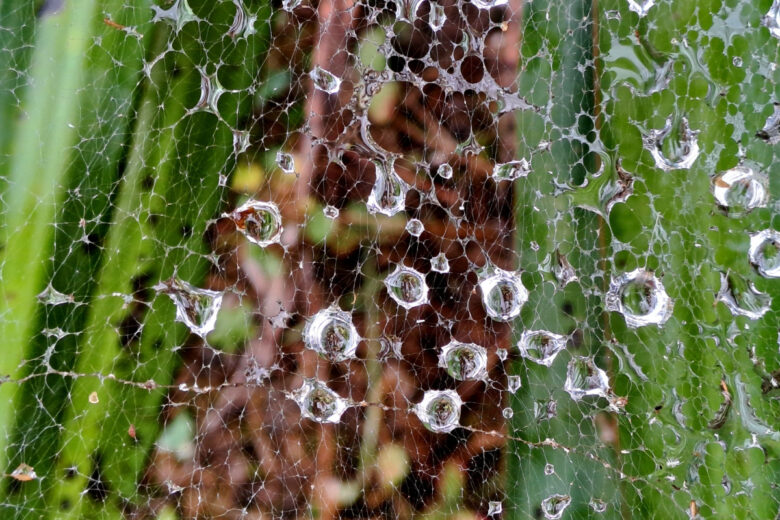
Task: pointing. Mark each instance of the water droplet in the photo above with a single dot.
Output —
(51, 296)
(440, 264)
(545, 410)
(464, 360)
(741, 297)
(318, 402)
(764, 253)
(24, 473)
(445, 171)
(673, 147)
(487, 4)
(260, 222)
(243, 24)
(640, 297)
(511, 170)
(210, 92)
(289, 5)
(772, 19)
(513, 383)
(331, 333)
(241, 143)
(541, 346)
(771, 130)
(736, 61)
(93, 398)
(503, 294)
(407, 287)
(388, 196)
(502, 353)
(324, 80)
(439, 410)
(414, 227)
(549, 469)
(598, 505)
(554, 506)
(507, 413)
(285, 161)
(740, 189)
(332, 212)
(584, 378)
(436, 17)
(641, 7)
(563, 270)
(177, 15)
(495, 508)
(196, 308)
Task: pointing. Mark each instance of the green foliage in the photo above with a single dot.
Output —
(696, 433)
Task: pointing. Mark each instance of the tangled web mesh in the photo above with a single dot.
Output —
(391, 259)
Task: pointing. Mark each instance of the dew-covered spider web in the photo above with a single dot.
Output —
(436, 259)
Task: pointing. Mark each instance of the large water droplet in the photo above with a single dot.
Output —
(324, 80)
(740, 189)
(464, 360)
(407, 287)
(439, 410)
(771, 131)
(640, 297)
(260, 222)
(388, 196)
(584, 378)
(541, 346)
(440, 264)
(285, 161)
(414, 227)
(772, 19)
(513, 383)
(675, 146)
(554, 506)
(319, 403)
(331, 333)
(503, 294)
(641, 7)
(741, 297)
(764, 253)
(196, 308)
(511, 170)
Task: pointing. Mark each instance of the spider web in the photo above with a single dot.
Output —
(380, 259)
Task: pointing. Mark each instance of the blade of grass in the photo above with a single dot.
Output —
(723, 458)
(557, 47)
(38, 165)
(104, 118)
(169, 194)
